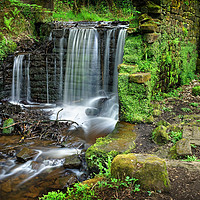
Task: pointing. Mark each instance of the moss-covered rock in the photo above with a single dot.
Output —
(181, 148)
(127, 68)
(150, 170)
(139, 77)
(121, 140)
(157, 113)
(8, 123)
(196, 90)
(160, 135)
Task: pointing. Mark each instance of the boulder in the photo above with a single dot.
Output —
(26, 154)
(160, 135)
(150, 170)
(72, 161)
(183, 147)
(121, 140)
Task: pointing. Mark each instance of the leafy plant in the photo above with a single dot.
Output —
(59, 195)
(191, 158)
(186, 109)
(175, 136)
(194, 104)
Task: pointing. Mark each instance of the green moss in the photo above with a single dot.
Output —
(160, 135)
(150, 170)
(196, 90)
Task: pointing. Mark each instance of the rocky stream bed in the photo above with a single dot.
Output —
(43, 155)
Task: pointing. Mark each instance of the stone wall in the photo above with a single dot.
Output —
(164, 42)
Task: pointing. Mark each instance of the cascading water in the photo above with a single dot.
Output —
(81, 74)
(84, 74)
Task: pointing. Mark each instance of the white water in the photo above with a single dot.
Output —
(45, 159)
(88, 93)
(17, 78)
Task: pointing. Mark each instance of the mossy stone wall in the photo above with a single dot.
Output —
(166, 44)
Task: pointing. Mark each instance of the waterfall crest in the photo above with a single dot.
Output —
(80, 74)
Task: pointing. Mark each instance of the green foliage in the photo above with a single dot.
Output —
(134, 100)
(59, 195)
(191, 158)
(175, 136)
(6, 46)
(194, 104)
(83, 191)
(196, 90)
(186, 109)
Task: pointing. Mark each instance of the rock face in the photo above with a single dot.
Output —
(150, 170)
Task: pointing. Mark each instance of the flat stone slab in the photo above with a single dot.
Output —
(192, 133)
(126, 68)
(139, 77)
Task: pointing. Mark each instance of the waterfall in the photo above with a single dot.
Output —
(82, 76)
(118, 56)
(47, 79)
(17, 78)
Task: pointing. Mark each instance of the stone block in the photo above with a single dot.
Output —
(150, 170)
(126, 68)
(183, 147)
(139, 77)
(192, 133)
(151, 37)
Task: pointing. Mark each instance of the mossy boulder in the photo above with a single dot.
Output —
(7, 123)
(181, 148)
(157, 112)
(127, 68)
(160, 135)
(139, 77)
(196, 90)
(150, 170)
(121, 140)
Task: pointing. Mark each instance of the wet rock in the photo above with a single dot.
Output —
(92, 112)
(160, 135)
(183, 147)
(35, 165)
(72, 161)
(150, 170)
(6, 186)
(67, 181)
(26, 154)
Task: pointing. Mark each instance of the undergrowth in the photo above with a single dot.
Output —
(91, 191)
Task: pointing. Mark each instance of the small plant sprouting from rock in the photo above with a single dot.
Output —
(191, 158)
(186, 109)
(175, 136)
